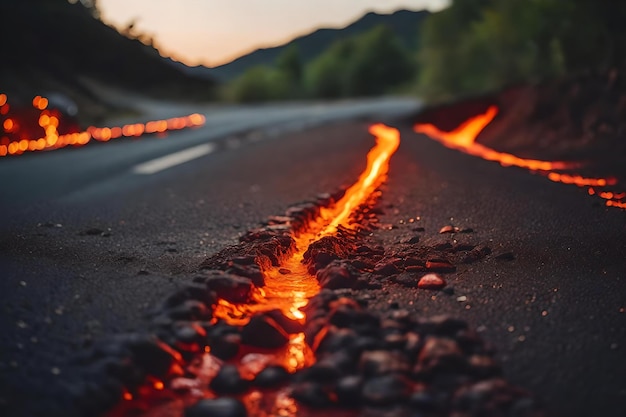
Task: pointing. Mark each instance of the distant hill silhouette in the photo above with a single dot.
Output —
(53, 45)
(404, 23)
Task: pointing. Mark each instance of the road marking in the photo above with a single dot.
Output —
(171, 160)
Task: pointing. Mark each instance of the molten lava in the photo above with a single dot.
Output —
(290, 291)
(49, 122)
(463, 138)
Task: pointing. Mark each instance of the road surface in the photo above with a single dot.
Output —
(89, 243)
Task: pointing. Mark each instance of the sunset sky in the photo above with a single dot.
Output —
(212, 32)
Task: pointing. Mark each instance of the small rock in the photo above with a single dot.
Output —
(431, 282)
(337, 275)
(386, 390)
(232, 288)
(311, 394)
(505, 256)
(288, 325)
(218, 407)
(386, 269)
(348, 390)
(448, 229)
(437, 265)
(94, 231)
(272, 376)
(263, 331)
(412, 240)
(382, 362)
(229, 381)
(284, 271)
(226, 347)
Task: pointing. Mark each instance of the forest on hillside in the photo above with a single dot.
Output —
(471, 47)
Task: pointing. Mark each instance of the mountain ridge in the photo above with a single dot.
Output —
(404, 23)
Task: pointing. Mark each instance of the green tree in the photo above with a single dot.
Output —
(260, 83)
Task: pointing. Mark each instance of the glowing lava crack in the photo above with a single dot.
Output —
(463, 139)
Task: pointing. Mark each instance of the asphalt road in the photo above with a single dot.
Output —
(555, 313)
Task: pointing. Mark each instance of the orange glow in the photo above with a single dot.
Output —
(290, 292)
(128, 396)
(463, 138)
(618, 204)
(581, 181)
(158, 385)
(8, 125)
(51, 140)
(40, 103)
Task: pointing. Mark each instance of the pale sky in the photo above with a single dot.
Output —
(212, 32)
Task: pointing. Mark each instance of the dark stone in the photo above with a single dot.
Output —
(338, 339)
(382, 362)
(253, 272)
(348, 390)
(229, 381)
(386, 269)
(423, 401)
(337, 275)
(414, 262)
(226, 347)
(386, 390)
(440, 354)
(440, 266)
(94, 231)
(323, 251)
(506, 256)
(190, 310)
(288, 325)
(484, 367)
(218, 407)
(263, 331)
(319, 372)
(191, 292)
(412, 240)
(272, 376)
(153, 356)
(243, 260)
(231, 288)
(189, 333)
(311, 394)
(448, 290)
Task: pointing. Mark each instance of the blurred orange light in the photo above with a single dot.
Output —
(3, 99)
(23, 145)
(4, 109)
(52, 139)
(44, 120)
(42, 104)
(8, 125)
(3, 150)
(158, 385)
(13, 148)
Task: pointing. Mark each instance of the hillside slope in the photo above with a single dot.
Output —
(404, 23)
(54, 45)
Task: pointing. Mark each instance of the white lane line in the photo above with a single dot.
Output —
(171, 160)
